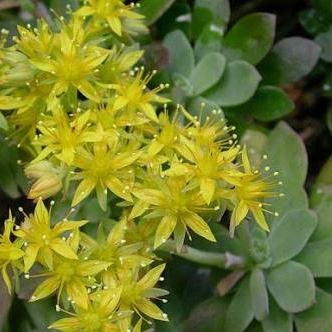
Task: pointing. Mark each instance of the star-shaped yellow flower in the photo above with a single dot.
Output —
(41, 241)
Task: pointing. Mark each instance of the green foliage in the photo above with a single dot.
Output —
(251, 38)
(237, 85)
(290, 59)
(292, 286)
(248, 43)
(152, 10)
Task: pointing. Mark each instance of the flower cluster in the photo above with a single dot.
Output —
(78, 102)
(105, 282)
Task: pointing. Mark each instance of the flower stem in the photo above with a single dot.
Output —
(222, 260)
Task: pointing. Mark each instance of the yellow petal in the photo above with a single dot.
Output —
(245, 160)
(149, 111)
(119, 103)
(115, 25)
(64, 226)
(30, 256)
(109, 300)
(41, 215)
(66, 324)
(91, 267)
(83, 190)
(154, 148)
(88, 90)
(164, 229)
(46, 288)
(62, 248)
(150, 309)
(207, 188)
(152, 196)
(240, 212)
(138, 209)
(198, 225)
(260, 218)
(78, 293)
(118, 188)
(151, 278)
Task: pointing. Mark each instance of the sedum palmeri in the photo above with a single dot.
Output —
(83, 108)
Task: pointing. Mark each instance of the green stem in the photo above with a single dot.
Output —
(224, 260)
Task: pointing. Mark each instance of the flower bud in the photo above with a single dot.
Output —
(45, 187)
(46, 180)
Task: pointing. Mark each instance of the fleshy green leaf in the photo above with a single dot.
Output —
(202, 108)
(290, 59)
(318, 317)
(277, 320)
(209, 41)
(152, 10)
(5, 302)
(238, 83)
(322, 188)
(285, 153)
(213, 14)
(258, 294)
(255, 142)
(240, 312)
(312, 21)
(60, 8)
(181, 55)
(183, 83)
(290, 234)
(324, 213)
(250, 38)
(207, 72)
(269, 103)
(285, 145)
(324, 7)
(3, 122)
(329, 119)
(321, 200)
(207, 316)
(12, 178)
(292, 286)
(317, 257)
(41, 313)
(324, 39)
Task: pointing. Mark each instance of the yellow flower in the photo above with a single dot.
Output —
(118, 62)
(167, 139)
(99, 316)
(64, 59)
(132, 96)
(114, 13)
(115, 250)
(248, 195)
(61, 137)
(71, 276)
(212, 167)
(136, 294)
(176, 204)
(43, 241)
(104, 169)
(212, 129)
(10, 252)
